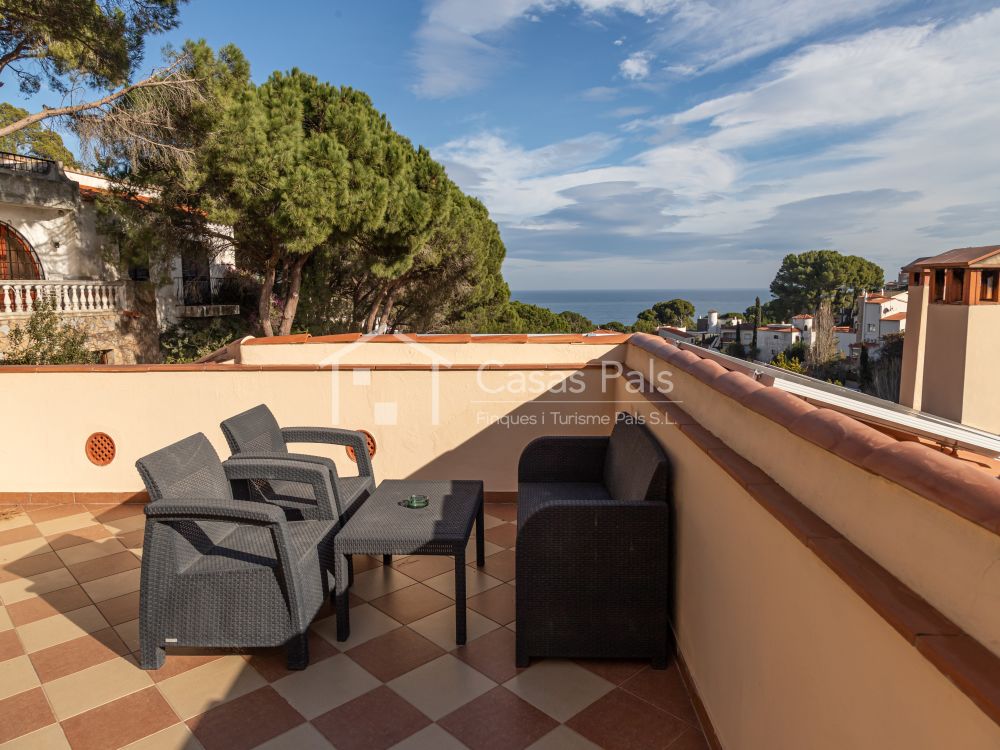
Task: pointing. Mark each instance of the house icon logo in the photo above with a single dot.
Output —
(384, 413)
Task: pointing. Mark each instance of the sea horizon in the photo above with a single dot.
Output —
(623, 305)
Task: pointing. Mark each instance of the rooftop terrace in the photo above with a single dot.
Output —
(834, 585)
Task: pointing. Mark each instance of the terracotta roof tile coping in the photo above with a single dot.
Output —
(955, 485)
(458, 338)
(231, 368)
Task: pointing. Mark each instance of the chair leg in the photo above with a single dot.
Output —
(521, 658)
(151, 656)
(298, 651)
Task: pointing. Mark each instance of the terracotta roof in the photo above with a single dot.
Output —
(779, 329)
(842, 329)
(962, 257)
(877, 300)
(800, 317)
(895, 316)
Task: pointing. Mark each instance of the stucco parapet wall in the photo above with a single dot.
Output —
(444, 351)
(46, 191)
(946, 481)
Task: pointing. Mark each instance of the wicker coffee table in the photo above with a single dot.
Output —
(382, 526)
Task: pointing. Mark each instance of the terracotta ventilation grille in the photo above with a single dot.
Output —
(100, 449)
(371, 446)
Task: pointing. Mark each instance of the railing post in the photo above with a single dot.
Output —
(5, 300)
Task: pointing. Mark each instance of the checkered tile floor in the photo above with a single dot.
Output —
(69, 580)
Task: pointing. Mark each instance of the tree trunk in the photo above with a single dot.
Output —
(390, 300)
(266, 290)
(292, 301)
(373, 311)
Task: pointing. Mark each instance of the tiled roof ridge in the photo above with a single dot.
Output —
(948, 482)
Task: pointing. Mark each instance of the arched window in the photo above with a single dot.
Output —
(17, 259)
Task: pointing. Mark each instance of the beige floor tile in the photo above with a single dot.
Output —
(17, 676)
(326, 685)
(430, 738)
(126, 524)
(439, 687)
(15, 522)
(378, 582)
(118, 584)
(489, 522)
(89, 551)
(60, 628)
(5, 623)
(366, 623)
(489, 548)
(49, 738)
(66, 523)
(93, 687)
(303, 737)
(559, 688)
(19, 550)
(129, 632)
(440, 627)
(199, 689)
(476, 582)
(40, 583)
(563, 738)
(177, 737)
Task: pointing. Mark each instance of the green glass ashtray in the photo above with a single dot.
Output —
(416, 501)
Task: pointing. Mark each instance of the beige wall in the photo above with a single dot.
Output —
(945, 361)
(783, 654)
(949, 561)
(981, 407)
(914, 348)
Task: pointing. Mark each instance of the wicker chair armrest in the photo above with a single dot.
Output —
(556, 458)
(316, 475)
(333, 436)
(234, 511)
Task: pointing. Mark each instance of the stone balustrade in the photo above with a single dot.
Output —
(74, 297)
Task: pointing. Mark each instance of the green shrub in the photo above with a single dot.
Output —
(45, 340)
(193, 339)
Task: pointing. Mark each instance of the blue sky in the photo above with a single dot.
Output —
(672, 143)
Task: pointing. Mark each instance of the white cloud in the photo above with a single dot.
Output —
(635, 67)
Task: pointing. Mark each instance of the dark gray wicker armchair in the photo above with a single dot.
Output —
(223, 572)
(593, 547)
(255, 434)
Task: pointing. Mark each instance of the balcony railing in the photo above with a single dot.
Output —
(197, 290)
(22, 297)
(20, 163)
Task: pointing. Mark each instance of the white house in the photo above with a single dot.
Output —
(772, 339)
(880, 314)
(51, 247)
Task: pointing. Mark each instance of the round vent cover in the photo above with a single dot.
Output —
(371, 446)
(100, 449)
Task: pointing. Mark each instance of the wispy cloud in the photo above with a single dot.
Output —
(635, 67)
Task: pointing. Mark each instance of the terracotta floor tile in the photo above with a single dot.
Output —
(366, 623)
(411, 603)
(373, 721)
(30, 566)
(78, 654)
(503, 511)
(505, 535)
(66, 539)
(111, 586)
(498, 720)
(106, 513)
(615, 671)
(64, 524)
(129, 632)
(179, 661)
(692, 739)
(664, 688)
(245, 722)
(132, 539)
(440, 627)
(563, 738)
(20, 550)
(302, 737)
(379, 581)
(121, 608)
(23, 713)
(501, 565)
(46, 605)
(496, 603)
(18, 676)
(394, 654)
(366, 562)
(45, 513)
(50, 737)
(272, 662)
(18, 534)
(422, 567)
(10, 645)
(120, 722)
(558, 687)
(102, 567)
(431, 737)
(492, 654)
(621, 721)
(90, 550)
(476, 582)
(27, 587)
(174, 737)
